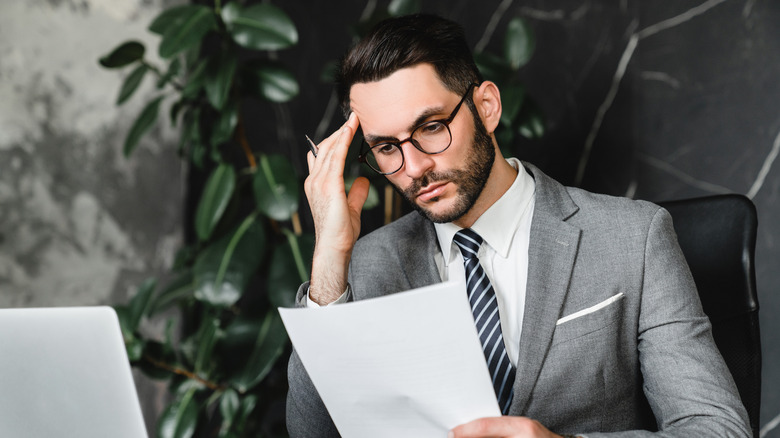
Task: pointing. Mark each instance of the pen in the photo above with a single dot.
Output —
(312, 146)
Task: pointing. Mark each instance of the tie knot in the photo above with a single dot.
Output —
(468, 241)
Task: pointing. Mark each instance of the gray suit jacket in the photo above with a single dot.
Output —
(595, 373)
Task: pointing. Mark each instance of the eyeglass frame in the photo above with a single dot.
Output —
(446, 122)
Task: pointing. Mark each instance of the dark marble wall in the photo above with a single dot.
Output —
(649, 99)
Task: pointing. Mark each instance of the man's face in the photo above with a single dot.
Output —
(443, 187)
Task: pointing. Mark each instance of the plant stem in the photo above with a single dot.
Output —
(182, 372)
(296, 250)
(240, 136)
(159, 74)
(296, 223)
(232, 246)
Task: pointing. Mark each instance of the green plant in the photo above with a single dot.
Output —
(219, 350)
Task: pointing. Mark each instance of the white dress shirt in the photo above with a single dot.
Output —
(505, 229)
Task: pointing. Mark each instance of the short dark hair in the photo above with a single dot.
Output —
(401, 42)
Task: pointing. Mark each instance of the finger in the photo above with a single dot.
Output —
(358, 194)
(332, 139)
(341, 147)
(488, 427)
(310, 160)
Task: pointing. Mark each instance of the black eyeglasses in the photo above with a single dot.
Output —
(432, 138)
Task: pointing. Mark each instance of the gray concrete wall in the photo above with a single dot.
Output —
(79, 223)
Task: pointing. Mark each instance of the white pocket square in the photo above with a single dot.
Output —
(590, 309)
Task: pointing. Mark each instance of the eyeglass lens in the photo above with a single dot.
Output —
(432, 138)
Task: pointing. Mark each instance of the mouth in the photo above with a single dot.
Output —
(431, 191)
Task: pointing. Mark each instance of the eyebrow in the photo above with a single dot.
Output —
(419, 120)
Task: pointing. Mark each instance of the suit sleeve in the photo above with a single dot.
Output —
(686, 381)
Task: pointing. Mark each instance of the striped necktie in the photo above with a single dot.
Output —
(484, 307)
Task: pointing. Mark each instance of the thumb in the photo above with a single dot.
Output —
(358, 194)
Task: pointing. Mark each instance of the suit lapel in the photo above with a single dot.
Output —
(551, 256)
(421, 267)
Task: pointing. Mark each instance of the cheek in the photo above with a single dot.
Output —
(399, 179)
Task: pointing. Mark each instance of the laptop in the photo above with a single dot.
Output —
(64, 373)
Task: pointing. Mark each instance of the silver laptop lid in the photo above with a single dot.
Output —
(64, 372)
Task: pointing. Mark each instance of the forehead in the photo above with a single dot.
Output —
(389, 106)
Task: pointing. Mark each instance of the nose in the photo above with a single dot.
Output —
(416, 162)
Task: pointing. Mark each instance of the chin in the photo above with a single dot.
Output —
(438, 213)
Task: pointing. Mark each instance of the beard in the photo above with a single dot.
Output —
(470, 180)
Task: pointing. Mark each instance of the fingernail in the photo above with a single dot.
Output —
(450, 434)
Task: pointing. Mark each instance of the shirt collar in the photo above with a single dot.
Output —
(499, 223)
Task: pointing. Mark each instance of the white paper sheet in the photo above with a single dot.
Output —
(408, 364)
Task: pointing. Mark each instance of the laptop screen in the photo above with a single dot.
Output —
(64, 372)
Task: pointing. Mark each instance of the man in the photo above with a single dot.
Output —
(594, 312)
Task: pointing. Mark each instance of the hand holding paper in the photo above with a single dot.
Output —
(409, 363)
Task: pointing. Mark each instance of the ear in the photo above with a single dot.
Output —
(488, 102)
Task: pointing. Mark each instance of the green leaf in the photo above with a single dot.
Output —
(290, 266)
(173, 69)
(228, 408)
(123, 314)
(190, 130)
(126, 53)
(174, 111)
(135, 348)
(207, 336)
(223, 270)
(131, 83)
(181, 287)
(187, 30)
(216, 195)
(271, 81)
(170, 17)
(219, 78)
(139, 304)
(223, 127)
(519, 43)
(198, 154)
(247, 407)
(143, 123)
(180, 418)
(270, 339)
(259, 27)
(195, 80)
(276, 187)
(512, 97)
(373, 195)
(184, 258)
(396, 8)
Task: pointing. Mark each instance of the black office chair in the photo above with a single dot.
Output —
(717, 234)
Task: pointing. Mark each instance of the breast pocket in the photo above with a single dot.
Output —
(591, 319)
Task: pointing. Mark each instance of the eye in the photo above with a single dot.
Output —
(384, 149)
(432, 128)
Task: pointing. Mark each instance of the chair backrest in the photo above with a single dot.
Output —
(717, 234)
